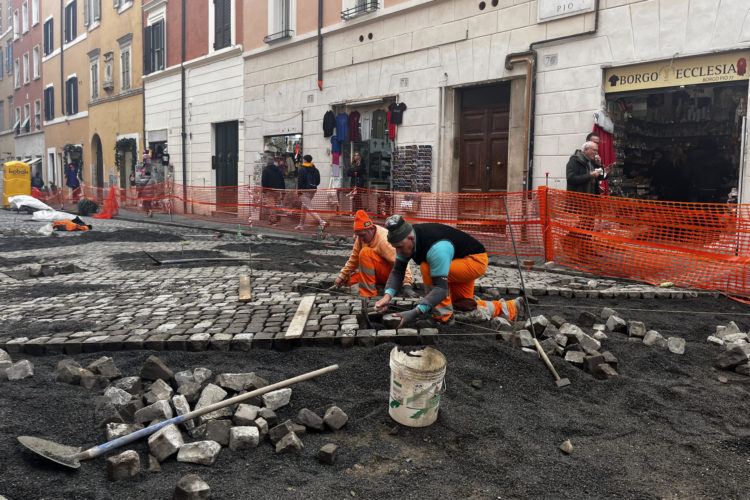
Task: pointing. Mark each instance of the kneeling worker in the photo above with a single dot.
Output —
(450, 261)
(371, 260)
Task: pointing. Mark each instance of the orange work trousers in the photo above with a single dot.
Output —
(461, 276)
(373, 271)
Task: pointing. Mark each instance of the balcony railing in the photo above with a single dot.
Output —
(359, 10)
(281, 35)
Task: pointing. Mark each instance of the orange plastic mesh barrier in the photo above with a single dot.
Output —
(109, 208)
(693, 245)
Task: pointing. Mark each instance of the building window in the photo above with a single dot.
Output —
(94, 68)
(16, 73)
(1, 15)
(9, 58)
(154, 47)
(92, 12)
(26, 68)
(36, 62)
(17, 122)
(25, 17)
(49, 36)
(222, 24)
(34, 12)
(70, 22)
(15, 24)
(37, 114)
(71, 96)
(122, 4)
(49, 103)
(26, 125)
(280, 19)
(354, 8)
(124, 68)
(2, 108)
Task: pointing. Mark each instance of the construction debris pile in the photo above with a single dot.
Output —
(128, 404)
(568, 340)
(736, 356)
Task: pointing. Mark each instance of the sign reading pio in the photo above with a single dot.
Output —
(715, 68)
(556, 9)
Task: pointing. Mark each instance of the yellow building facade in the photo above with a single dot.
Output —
(116, 92)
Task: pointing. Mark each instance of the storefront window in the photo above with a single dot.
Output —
(286, 152)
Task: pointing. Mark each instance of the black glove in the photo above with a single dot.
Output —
(409, 315)
(408, 291)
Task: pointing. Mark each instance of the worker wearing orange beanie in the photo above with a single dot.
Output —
(371, 260)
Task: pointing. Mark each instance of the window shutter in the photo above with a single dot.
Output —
(218, 25)
(86, 13)
(51, 103)
(75, 21)
(97, 10)
(147, 48)
(75, 95)
(227, 8)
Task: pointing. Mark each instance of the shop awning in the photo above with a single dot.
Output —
(26, 161)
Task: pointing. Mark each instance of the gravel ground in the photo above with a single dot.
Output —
(666, 427)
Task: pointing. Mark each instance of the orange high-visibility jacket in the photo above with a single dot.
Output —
(381, 247)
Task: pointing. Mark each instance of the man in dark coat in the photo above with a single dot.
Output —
(272, 180)
(583, 176)
(358, 180)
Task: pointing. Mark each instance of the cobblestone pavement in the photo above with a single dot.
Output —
(106, 304)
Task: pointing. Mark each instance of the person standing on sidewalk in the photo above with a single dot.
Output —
(371, 260)
(308, 178)
(272, 182)
(450, 261)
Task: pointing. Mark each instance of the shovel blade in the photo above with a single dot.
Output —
(59, 453)
(562, 382)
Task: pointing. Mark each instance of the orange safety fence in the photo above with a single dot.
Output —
(693, 245)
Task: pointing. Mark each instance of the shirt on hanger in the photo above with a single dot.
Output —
(378, 124)
(365, 122)
(342, 127)
(397, 112)
(335, 144)
(329, 123)
(354, 126)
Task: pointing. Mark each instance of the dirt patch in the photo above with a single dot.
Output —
(36, 329)
(14, 243)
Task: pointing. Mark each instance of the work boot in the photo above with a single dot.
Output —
(520, 303)
(478, 315)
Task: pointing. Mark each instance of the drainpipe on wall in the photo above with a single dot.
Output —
(320, 45)
(182, 112)
(62, 74)
(530, 58)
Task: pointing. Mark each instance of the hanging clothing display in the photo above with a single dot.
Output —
(329, 123)
(336, 158)
(397, 113)
(391, 125)
(365, 122)
(378, 124)
(342, 127)
(335, 144)
(354, 126)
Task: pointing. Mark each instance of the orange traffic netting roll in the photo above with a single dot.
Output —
(693, 245)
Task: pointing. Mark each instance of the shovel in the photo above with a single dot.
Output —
(70, 456)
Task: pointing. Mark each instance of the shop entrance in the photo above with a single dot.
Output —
(483, 164)
(226, 150)
(678, 143)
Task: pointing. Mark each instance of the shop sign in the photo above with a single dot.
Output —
(556, 9)
(688, 71)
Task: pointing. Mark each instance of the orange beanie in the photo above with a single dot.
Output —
(362, 221)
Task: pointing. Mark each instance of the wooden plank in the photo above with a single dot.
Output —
(244, 288)
(300, 317)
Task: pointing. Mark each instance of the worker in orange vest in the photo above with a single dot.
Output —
(371, 260)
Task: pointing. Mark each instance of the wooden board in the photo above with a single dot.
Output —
(244, 288)
(300, 317)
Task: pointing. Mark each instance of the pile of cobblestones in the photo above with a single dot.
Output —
(128, 404)
(736, 355)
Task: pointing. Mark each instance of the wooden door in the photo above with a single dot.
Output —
(225, 162)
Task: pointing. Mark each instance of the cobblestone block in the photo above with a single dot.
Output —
(366, 338)
(384, 336)
(198, 342)
(15, 346)
(263, 340)
(269, 416)
(117, 396)
(654, 338)
(131, 385)
(133, 343)
(220, 341)
(176, 343)
(72, 346)
(159, 410)
(212, 394)
(182, 407)
(113, 343)
(636, 329)
(610, 359)
(604, 371)
(36, 346)
(191, 487)
(127, 412)
(335, 418)
(676, 345)
(199, 452)
(20, 370)
(428, 336)
(276, 399)
(218, 430)
(616, 324)
(245, 414)
(310, 419)
(191, 391)
(155, 342)
(104, 366)
(55, 345)
(327, 454)
(159, 390)
(244, 438)
(242, 342)
(92, 381)
(126, 465)
(575, 358)
(155, 369)
(737, 355)
(165, 442)
(116, 430)
(407, 336)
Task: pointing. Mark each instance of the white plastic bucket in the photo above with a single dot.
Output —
(417, 381)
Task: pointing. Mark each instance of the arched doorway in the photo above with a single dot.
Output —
(96, 150)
